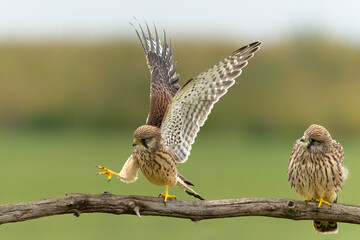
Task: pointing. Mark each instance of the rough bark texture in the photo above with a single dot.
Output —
(78, 203)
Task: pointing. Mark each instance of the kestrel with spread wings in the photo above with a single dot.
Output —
(316, 170)
(176, 114)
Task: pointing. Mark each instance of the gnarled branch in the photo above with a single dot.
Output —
(78, 203)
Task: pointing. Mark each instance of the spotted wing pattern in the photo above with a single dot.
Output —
(337, 151)
(164, 80)
(192, 104)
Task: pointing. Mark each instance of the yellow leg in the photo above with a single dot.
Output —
(308, 199)
(321, 200)
(166, 195)
(107, 172)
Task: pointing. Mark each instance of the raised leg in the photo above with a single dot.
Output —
(107, 172)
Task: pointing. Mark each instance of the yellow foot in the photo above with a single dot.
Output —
(308, 199)
(321, 200)
(107, 172)
(166, 195)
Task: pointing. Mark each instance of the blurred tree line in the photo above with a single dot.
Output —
(286, 86)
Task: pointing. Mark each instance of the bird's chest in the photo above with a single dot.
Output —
(158, 167)
(313, 176)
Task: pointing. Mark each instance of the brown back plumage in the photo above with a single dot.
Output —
(164, 80)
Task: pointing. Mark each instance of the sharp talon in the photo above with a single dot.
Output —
(107, 172)
(321, 200)
(166, 195)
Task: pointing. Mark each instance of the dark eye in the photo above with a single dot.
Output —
(143, 140)
(312, 140)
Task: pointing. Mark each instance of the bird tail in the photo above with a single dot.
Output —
(182, 182)
(325, 227)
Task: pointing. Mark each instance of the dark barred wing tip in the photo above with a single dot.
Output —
(195, 195)
(253, 47)
(158, 55)
(185, 180)
(255, 44)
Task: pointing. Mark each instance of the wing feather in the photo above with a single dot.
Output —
(164, 80)
(192, 104)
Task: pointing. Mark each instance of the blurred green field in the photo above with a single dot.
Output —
(39, 165)
(286, 86)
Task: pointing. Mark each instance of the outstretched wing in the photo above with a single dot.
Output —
(192, 104)
(164, 80)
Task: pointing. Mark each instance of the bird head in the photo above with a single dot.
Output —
(147, 137)
(316, 139)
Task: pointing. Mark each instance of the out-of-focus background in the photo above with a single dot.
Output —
(74, 86)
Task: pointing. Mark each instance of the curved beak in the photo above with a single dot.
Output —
(135, 142)
(303, 139)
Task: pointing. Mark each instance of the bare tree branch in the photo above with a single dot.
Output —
(78, 203)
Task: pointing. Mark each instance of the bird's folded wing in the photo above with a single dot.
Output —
(338, 151)
(192, 104)
(164, 80)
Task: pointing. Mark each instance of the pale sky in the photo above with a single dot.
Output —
(228, 19)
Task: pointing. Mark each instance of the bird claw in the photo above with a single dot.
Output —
(321, 200)
(107, 172)
(166, 196)
(310, 199)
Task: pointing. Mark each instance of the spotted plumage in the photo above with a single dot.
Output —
(176, 114)
(316, 170)
(192, 104)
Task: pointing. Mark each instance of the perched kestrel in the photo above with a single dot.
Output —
(316, 170)
(176, 114)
